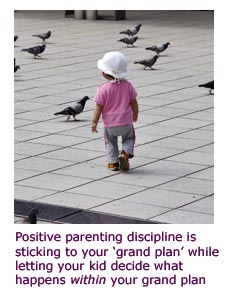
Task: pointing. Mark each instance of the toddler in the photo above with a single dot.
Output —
(116, 101)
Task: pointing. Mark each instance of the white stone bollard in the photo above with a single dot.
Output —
(79, 14)
(91, 14)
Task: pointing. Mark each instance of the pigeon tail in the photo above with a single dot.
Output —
(124, 32)
(59, 113)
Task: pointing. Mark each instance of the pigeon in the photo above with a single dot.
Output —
(208, 85)
(31, 218)
(129, 40)
(15, 66)
(132, 31)
(158, 49)
(35, 50)
(74, 109)
(43, 36)
(148, 62)
(15, 38)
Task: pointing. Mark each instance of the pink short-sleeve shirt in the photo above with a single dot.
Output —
(115, 99)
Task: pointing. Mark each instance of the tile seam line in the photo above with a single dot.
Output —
(145, 189)
(156, 122)
(86, 125)
(173, 135)
(204, 197)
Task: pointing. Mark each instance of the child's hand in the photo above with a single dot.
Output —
(94, 127)
(135, 118)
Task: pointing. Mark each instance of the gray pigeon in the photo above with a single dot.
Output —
(43, 36)
(148, 62)
(208, 85)
(74, 109)
(159, 49)
(35, 50)
(129, 41)
(31, 218)
(132, 31)
(16, 67)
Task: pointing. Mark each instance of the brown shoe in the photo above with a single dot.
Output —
(123, 160)
(113, 166)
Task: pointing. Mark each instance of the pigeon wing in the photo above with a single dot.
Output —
(65, 112)
(77, 108)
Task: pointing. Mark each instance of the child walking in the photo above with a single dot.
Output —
(116, 101)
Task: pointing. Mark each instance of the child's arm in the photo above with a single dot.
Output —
(135, 109)
(96, 115)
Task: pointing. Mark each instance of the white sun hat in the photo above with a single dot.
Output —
(114, 64)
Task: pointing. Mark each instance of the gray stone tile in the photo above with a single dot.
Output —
(24, 135)
(18, 123)
(51, 127)
(148, 150)
(73, 200)
(143, 138)
(185, 123)
(84, 132)
(41, 164)
(20, 174)
(205, 206)
(71, 154)
(26, 106)
(161, 130)
(148, 119)
(179, 143)
(106, 189)
(60, 140)
(32, 149)
(54, 182)
(184, 217)
(207, 174)
(198, 134)
(167, 111)
(155, 173)
(161, 198)
(19, 156)
(206, 148)
(190, 185)
(97, 145)
(30, 193)
(144, 177)
(195, 158)
(87, 170)
(195, 106)
(127, 208)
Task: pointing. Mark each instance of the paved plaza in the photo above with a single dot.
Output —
(60, 166)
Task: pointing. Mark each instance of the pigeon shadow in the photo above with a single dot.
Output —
(18, 79)
(150, 69)
(37, 58)
(143, 38)
(73, 121)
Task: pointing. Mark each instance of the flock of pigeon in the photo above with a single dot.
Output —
(149, 62)
(74, 109)
(131, 39)
(77, 107)
(36, 50)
